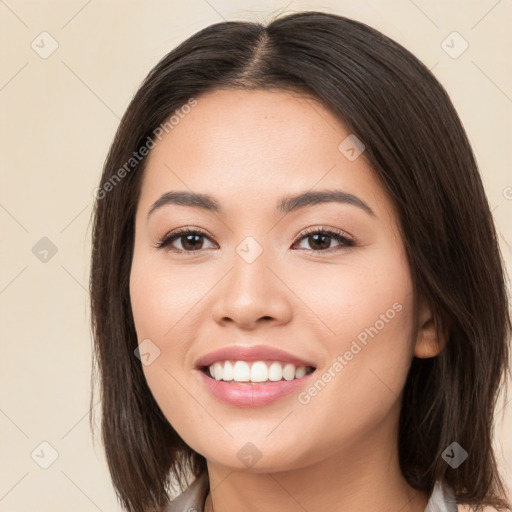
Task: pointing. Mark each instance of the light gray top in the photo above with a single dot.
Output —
(192, 500)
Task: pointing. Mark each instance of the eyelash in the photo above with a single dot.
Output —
(338, 235)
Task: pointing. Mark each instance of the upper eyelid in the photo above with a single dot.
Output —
(316, 229)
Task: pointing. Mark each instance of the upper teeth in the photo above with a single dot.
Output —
(257, 371)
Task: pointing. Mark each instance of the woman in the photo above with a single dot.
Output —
(297, 294)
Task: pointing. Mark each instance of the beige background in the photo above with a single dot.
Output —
(59, 115)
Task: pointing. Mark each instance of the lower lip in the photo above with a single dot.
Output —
(253, 395)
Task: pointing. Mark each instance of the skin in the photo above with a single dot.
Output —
(248, 149)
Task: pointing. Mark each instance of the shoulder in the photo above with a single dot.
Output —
(193, 498)
(442, 499)
(468, 508)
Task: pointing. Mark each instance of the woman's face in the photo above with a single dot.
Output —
(262, 274)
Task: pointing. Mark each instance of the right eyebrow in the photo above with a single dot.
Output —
(192, 199)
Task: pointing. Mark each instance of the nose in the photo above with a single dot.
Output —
(252, 294)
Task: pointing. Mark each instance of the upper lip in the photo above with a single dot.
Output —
(250, 353)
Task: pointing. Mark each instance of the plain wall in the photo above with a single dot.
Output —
(59, 115)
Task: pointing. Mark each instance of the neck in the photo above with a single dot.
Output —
(270, 492)
(360, 477)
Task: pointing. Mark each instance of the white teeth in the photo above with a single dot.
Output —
(228, 371)
(257, 371)
(241, 372)
(300, 372)
(217, 371)
(275, 372)
(289, 372)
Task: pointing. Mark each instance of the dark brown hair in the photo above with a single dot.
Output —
(418, 149)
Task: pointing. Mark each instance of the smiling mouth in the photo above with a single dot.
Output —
(255, 372)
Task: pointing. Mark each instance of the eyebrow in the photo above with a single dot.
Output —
(287, 204)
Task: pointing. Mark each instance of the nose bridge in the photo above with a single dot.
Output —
(250, 290)
(249, 280)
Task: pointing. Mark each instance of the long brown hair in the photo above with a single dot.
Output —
(417, 147)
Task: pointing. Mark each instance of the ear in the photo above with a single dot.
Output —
(428, 344)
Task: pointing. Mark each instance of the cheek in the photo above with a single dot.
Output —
(364, 320)
(161, 307)
(162, 297)
(360, 386)
(368, 295)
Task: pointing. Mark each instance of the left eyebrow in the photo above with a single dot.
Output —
(293, 203)
(285, 205)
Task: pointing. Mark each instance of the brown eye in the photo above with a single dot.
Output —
(319, 240)
(189, 239)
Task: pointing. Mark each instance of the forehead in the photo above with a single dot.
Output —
(251, 144)
(250, 118)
